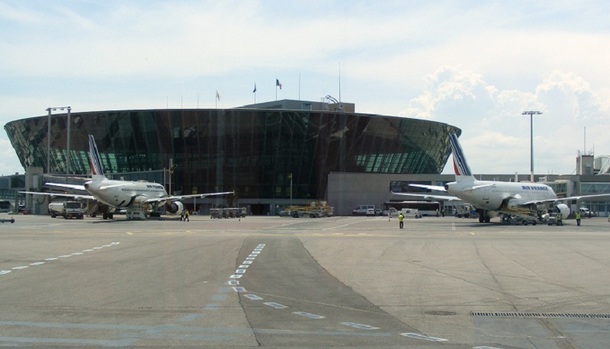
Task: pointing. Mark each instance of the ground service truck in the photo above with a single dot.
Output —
(66, 209)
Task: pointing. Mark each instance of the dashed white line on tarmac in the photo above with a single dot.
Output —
(359, 326)
(423, 337)
(253, 297)
(50, 259)
(309, 315)
(275, 305)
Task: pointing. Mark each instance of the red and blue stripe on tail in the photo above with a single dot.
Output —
(459, 160)
(95, 161)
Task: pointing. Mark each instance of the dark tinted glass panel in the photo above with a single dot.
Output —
(251, 151)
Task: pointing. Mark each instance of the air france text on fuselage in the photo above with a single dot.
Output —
(534, 187)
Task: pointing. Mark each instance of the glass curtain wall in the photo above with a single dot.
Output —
(251, 151)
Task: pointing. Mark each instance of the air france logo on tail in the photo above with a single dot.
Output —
(94, 158)
(459, 160)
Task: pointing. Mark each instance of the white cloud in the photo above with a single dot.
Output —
(496, 135)
(473, 65)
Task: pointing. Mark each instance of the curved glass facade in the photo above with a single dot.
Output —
(251, 151)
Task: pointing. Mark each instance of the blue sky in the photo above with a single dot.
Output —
(473, 64)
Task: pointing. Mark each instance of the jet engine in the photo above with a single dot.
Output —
(175, 207)
(563, 209)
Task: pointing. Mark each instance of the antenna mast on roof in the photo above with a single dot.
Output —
(339, 81)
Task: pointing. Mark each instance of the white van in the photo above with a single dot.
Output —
(364, 210)
(411, 213)
(584, 212)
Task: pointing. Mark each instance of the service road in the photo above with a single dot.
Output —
(285, 282)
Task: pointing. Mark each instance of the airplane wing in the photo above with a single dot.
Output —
(441, 188)
(182, 197)
(66, 186)
(480, 186)
(592, 197)
(425, 186)
(73, 196)
(430, 196)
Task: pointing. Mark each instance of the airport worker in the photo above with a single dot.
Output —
(401, 218)
(186, 216)
(578, 218)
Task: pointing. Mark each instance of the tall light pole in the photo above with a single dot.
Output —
(49, 110)
(290, 176)
(531, 113)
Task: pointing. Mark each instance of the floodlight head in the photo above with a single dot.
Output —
(531, 112)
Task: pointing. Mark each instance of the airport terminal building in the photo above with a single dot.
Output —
(271, 154)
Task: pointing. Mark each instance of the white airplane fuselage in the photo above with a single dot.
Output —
(124, 193)
(493, 196)
(136, 197)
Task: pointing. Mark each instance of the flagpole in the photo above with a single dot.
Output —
(339, 81)
(277, 84)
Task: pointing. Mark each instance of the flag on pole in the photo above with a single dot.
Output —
(217, 96)
(254, 91)
(277, 83)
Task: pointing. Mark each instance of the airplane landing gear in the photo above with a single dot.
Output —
(136, 215)
(483, 216)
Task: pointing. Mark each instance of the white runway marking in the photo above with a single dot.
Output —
(359, 326)
(275, 305)
(423, 337)
(51, 259)
(308, 315)
(253, 297)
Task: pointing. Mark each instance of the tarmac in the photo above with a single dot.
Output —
(349, 282)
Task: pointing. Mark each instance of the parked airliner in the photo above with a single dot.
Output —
(495, 197)
(136, 197)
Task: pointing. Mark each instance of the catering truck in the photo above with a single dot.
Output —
(67, 209)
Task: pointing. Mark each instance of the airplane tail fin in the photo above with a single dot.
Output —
(460, 166)
(95, 161)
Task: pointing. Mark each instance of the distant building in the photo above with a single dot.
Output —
(272, 154)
